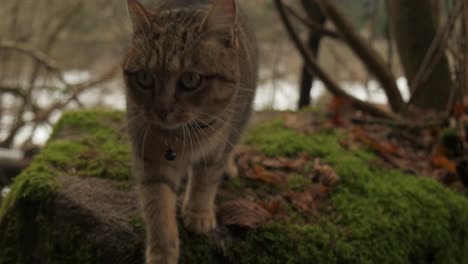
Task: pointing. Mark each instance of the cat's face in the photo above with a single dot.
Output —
(182, 66)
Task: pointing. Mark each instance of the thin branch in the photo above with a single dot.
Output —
(371, 58)
(40, 57)
(62, 23)
(16, 91)
(50, 40)
(76, 90)
(435, 52)
(313, 67)
(313, 26)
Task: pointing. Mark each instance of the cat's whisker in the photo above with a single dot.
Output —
(143, 145)
(193, 126)
(224, 122)
(183, 139)
(145, 37)
(207, 136)
(128, 120)
(141, 140)
(146, 49)
(140, 52)
(217, 132)
(190, 139)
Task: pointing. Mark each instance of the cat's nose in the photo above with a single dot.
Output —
(162, 114)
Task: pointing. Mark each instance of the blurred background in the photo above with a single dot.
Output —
(57, 55)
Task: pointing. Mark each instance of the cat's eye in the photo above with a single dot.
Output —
(144, 80)
(190, 81)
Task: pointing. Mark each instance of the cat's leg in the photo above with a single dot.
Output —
(231, 169)
(158, 193)
(199, 209)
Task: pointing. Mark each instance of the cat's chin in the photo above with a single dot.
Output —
(180, 126)
(168, 126)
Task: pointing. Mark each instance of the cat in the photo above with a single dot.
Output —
(190, 75)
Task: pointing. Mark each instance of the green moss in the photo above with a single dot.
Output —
(97, 122)
(25, 214)
(298, 183)
(316, 111)
(283, 243)
(374, 215)
(198, 249)
(384, 215)
(273, 139)
(101, 148)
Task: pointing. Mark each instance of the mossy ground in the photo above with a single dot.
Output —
(100, 150)
(374, 214)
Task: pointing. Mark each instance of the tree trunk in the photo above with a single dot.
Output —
(316, 16)
(414, 29)
(465, 36)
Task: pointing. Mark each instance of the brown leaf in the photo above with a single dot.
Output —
(283, 163)
(273, 163)
(324, 174)
(441, 161)
(381, 147)
(272, 206)
(302, 122)
(261, 174)
(243, 213)
(303, 201)
(319, 191)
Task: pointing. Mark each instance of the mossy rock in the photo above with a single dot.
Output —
(77, 204)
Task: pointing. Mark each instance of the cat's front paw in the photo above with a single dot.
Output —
(199, 222)
(230, 169)
(160, 257)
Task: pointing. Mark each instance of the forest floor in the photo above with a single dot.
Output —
(313, 187)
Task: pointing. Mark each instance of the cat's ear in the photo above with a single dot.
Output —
(223, 16)
(140, 15)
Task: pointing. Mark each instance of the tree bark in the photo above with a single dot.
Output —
(465, 34)
(315, 15)
(414, 29)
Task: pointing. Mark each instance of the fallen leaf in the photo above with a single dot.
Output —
(303, 201)
(319, 191)
(283, 163)
(441, 161)
(272, 206)
(243, 213)
(381, 147)
(302, 122)
(458, 110)
(261, 174)
(273, 163)
(324, 174)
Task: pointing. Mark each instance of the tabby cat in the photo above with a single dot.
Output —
(191, 74)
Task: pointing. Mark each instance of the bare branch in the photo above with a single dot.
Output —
(16, 91)
(62, 23)
(76, 90)
(373, 61)
(313, 26)
(40, 57)
(313, 67)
